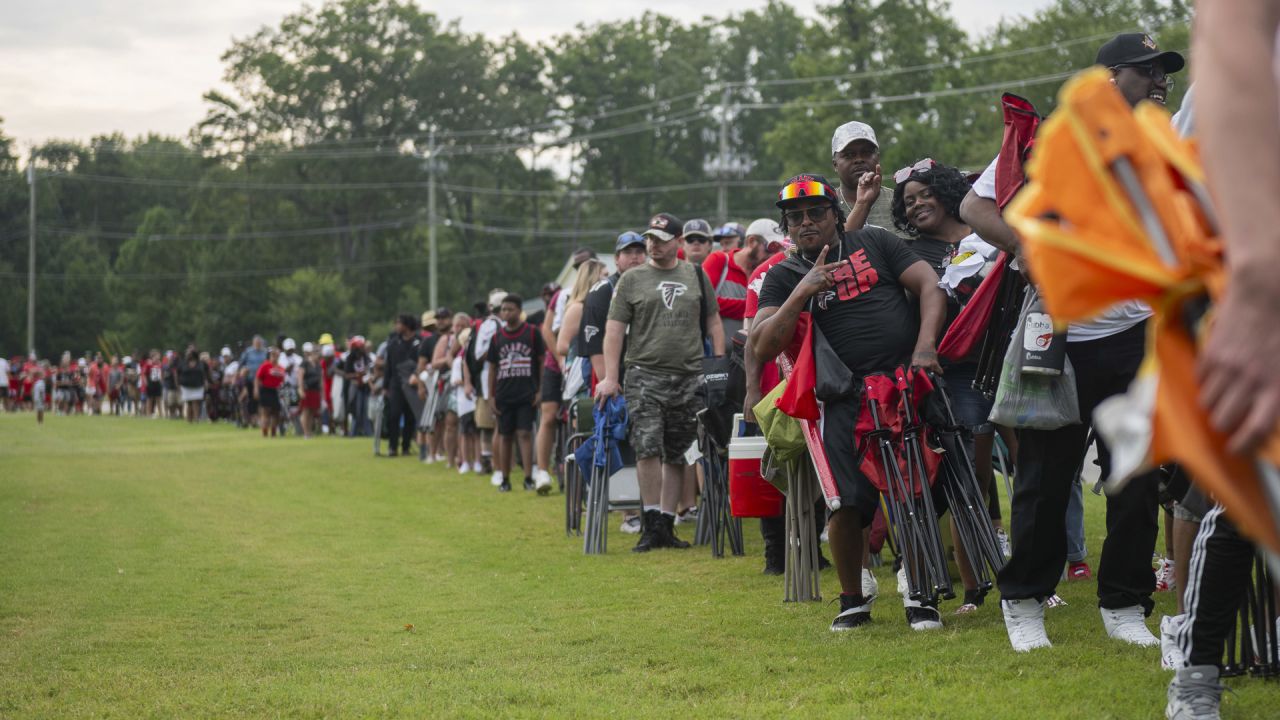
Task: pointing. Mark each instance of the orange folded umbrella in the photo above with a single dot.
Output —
(1116, 209)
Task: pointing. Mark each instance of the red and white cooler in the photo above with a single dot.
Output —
(750, 495)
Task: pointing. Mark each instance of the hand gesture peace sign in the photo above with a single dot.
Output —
(821, 276)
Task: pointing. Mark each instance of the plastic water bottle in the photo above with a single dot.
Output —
(1043, 351)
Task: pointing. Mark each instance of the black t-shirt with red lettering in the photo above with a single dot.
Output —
(868, 318)
(518, 357)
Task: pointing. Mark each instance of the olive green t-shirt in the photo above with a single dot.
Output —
(664, 309)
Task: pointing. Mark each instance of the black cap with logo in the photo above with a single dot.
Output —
(664, 226)
(1137, 49)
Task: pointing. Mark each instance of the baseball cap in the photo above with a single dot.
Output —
(767, 229)
(730, 229)
(627, 239)
(357, 341)
(697, 226)
(495, 297)
(443, 312)
(1135, 49)
(805, 186)
(849, 132)
(664, 226)
(326, 339)
(225, 352)
(308, 347)
(289, 344)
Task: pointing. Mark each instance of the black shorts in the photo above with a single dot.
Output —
(552, 385)
(154, 389)
(856, 491)
(269, 399)
(467, 424)
(514, 416)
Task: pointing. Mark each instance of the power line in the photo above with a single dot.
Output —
(251, 235)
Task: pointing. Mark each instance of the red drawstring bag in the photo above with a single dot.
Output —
(970, 325)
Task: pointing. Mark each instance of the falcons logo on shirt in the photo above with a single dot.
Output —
(670, 291)
(590, 331)
(825, 298)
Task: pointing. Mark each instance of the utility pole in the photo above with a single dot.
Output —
(722, 190)
(31, 254)
(431, 219)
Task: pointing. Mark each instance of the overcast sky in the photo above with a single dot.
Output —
(77, 68)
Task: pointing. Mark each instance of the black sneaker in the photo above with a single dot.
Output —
(505, 486)
(922, 617)
(528, 483)
(855, 611)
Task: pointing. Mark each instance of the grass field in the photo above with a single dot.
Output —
(156, 569)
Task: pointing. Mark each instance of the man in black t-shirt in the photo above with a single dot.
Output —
(854, 285)
(398, 367)
(515, 360)
(629, 252)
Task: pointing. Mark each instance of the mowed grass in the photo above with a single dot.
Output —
(156, 569)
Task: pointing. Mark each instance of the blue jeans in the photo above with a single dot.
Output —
(360, 411)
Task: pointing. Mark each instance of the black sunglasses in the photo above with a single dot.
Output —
(1155, 71)
(796, 217)
(697, 239)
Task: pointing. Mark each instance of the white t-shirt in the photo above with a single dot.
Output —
(558, 305)
(4, 375)
(484, 336)
(1115, 320)
(289, 363)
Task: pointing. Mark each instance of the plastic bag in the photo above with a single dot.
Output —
(1027, 400)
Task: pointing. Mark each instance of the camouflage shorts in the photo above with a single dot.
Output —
(662, 407)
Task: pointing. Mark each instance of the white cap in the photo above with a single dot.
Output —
(308, 347)
(327, 350)
(289, 344)
(128, 360)
(226, 352)
(767, 229)
(495, 298)
(849, 132)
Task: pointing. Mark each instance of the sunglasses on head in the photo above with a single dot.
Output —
(905, 173)
(815, 214)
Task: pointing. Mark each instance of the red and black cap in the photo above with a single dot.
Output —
(1137, 49)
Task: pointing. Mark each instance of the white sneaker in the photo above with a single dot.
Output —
(542, 481)
(1194, 694)
(1024, 620)
(1129, 625)
(496, 479)
(1054, 601)
(464, 468)
(1171, 657)
(902, 581)
(870, 586)
(631, 525)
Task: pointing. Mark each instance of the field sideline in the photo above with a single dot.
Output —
(156, 569)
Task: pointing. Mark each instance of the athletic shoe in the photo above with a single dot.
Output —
(855, 611)
(1194, 694)
(1171, 657)
(1024, 621)
(496, 479)
(486, 462)
(631, 525)
(504, 486)
(1129, 625)
(922, 617)
(1164, 576)
(823, 536)
(392, 453)
(464, 468)
(1054, 601)
(902, 581)
(690, 515)
(542, 481)
(1005, 547)
(966, 609)
(1079, 571)
(528, 483)
(870, 586)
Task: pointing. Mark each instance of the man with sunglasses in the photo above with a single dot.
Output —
(697, 241)
(853, 284)
(1105, 354)
(855, 155)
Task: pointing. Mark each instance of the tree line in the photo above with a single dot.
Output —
(298, 203)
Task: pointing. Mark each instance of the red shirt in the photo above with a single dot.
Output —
(769, 376)
(271, 375)
(722, 270)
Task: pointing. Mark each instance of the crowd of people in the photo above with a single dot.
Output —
(879, 276)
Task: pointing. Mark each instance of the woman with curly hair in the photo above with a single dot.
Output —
(926, 207)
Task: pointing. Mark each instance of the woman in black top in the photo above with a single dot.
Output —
(191, 381)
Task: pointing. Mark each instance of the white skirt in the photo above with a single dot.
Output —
(192, 394)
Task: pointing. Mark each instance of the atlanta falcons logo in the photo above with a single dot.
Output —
(670, 291)
(825, 298)
(590, 331)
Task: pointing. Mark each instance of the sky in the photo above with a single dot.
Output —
(72, 69)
